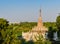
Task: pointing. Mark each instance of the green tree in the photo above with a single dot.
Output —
(11, 36)
(42, 40)
(50, 33)
(58, 22)
(58, 25)
(3, 26)
(3, 23)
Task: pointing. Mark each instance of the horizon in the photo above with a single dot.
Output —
(28, 11)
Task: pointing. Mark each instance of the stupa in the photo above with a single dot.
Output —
(40, 29)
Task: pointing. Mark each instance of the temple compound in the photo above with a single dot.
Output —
(38, 30)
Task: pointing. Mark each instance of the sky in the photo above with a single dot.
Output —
(28, 10)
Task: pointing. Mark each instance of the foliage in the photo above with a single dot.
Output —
(42, 40)
(3, 26)
(50, 33)
(58, 25)
(58, 22)
(9, 32)
(3, 23)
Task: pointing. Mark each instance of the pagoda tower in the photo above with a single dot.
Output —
(40, 23)
(40, 26)
(40, 29)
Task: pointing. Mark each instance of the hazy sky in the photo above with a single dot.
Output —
(28, 10)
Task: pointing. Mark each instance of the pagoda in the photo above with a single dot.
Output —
(38, 30)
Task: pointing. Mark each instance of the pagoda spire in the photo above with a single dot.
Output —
(40, 12)
(40, 23)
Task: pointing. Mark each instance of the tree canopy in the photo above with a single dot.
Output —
(3, 23)
(58, 22)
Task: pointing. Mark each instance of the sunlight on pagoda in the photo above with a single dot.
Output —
(38, 30)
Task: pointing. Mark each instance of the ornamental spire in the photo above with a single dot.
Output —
(40, 12)
(40, 23)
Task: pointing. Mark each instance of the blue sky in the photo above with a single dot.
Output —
(28, 10)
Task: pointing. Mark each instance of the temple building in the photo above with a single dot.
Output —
(38, 30)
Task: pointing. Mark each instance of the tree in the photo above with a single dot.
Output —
(42, 40)
(3, 26)
(58, 22)
(50, 33)
(58, 25)
(11, 36)
(3, 23)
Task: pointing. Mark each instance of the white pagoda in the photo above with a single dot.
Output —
(40, 29)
